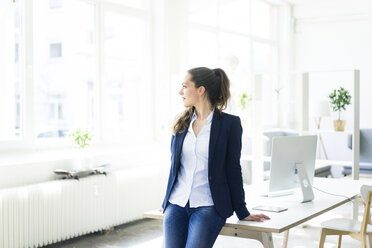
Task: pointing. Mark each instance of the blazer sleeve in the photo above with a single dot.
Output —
(171, 145)
(234, 174)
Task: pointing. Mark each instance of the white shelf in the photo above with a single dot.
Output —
(321, 131)
(250, 158)
(339, 163)
(356, 123)
(318, 162)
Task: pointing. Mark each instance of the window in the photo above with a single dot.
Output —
(11, 83)
(55, 50)
(264, 20)
(16, 53)
(63, 88)
(203, 49)
(203, 12)
(55, 4)
(138, 4)
(65, 61)
(234, 15)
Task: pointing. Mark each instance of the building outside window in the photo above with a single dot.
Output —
(55, 50)
(55, 4)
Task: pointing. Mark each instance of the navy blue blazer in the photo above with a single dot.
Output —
(224, 171)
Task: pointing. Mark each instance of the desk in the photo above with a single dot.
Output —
(296, 214)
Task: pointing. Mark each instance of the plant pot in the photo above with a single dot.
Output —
(339, 125)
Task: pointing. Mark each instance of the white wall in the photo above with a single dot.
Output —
(332, 35)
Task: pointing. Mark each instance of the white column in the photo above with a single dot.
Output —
(257, 141)
(99, 62)
(305, 103)
(28, 49)
(162, 116)
(177, 41)
(356, 130)
(356, 136)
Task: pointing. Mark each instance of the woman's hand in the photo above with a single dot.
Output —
(256, 217)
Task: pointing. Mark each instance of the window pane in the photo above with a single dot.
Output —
(264, 20)
(203, 48)
(265, 58)
(55, 50)
(55, 4)
(139, 4)
(265, 62)
(11, 83)
(64, 68)
(124, 72)
(234, 15)
(204, 12)
(235, 58)
(235, 54)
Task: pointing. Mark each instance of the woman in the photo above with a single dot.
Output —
(205, 183)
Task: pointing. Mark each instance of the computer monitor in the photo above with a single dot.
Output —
(293, 165)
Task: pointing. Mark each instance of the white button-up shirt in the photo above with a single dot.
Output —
(192, 183)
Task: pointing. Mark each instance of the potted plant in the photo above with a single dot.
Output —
(81, 140)
(339, 100)
(244, 100)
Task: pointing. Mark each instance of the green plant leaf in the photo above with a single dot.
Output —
(80, 138)
(339, 99)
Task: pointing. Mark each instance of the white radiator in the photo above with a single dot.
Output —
(45, 213)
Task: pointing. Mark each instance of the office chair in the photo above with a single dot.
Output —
(365, 152)
(356, 229)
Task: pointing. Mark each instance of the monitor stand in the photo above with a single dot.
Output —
(306, 187)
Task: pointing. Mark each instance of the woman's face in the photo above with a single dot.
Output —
(190, 95)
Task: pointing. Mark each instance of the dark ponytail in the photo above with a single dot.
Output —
(217, 88)
(224, 93)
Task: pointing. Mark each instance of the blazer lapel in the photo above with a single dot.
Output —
(215, 131)
(180, 137)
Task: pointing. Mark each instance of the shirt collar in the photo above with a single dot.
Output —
(209, 118)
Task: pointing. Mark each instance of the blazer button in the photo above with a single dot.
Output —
(210, 178)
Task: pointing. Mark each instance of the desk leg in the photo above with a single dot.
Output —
(355, 208)
(267, 240)
(264, 237)
(285, 239)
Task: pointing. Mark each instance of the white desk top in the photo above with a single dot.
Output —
(297, 212)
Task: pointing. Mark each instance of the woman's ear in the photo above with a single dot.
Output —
(201, 90)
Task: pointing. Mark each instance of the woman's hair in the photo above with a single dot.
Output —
(217, 89)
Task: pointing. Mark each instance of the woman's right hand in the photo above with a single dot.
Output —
(256, 217)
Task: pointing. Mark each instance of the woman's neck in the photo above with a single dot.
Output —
(203, 110)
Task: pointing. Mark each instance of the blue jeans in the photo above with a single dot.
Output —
(191, 227)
